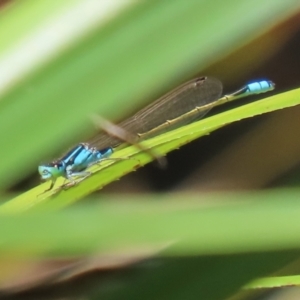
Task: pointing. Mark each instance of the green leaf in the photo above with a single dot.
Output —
(110, 171)
(226, 245)
(190, 227)
(275, 281)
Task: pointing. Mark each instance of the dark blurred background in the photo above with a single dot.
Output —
(255, 153)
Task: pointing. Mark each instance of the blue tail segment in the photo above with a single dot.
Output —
(253, 88)
(260, 87)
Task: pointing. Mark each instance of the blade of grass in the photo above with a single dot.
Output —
(108, 172)
(272, 282)
(183, 223)
(210, 242)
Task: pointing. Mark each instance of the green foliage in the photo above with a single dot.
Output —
(123, 61)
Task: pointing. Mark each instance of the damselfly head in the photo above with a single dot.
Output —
(50, 170)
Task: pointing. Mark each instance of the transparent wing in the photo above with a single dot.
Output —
(195, 93)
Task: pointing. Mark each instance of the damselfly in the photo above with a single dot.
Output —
(185, 104)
